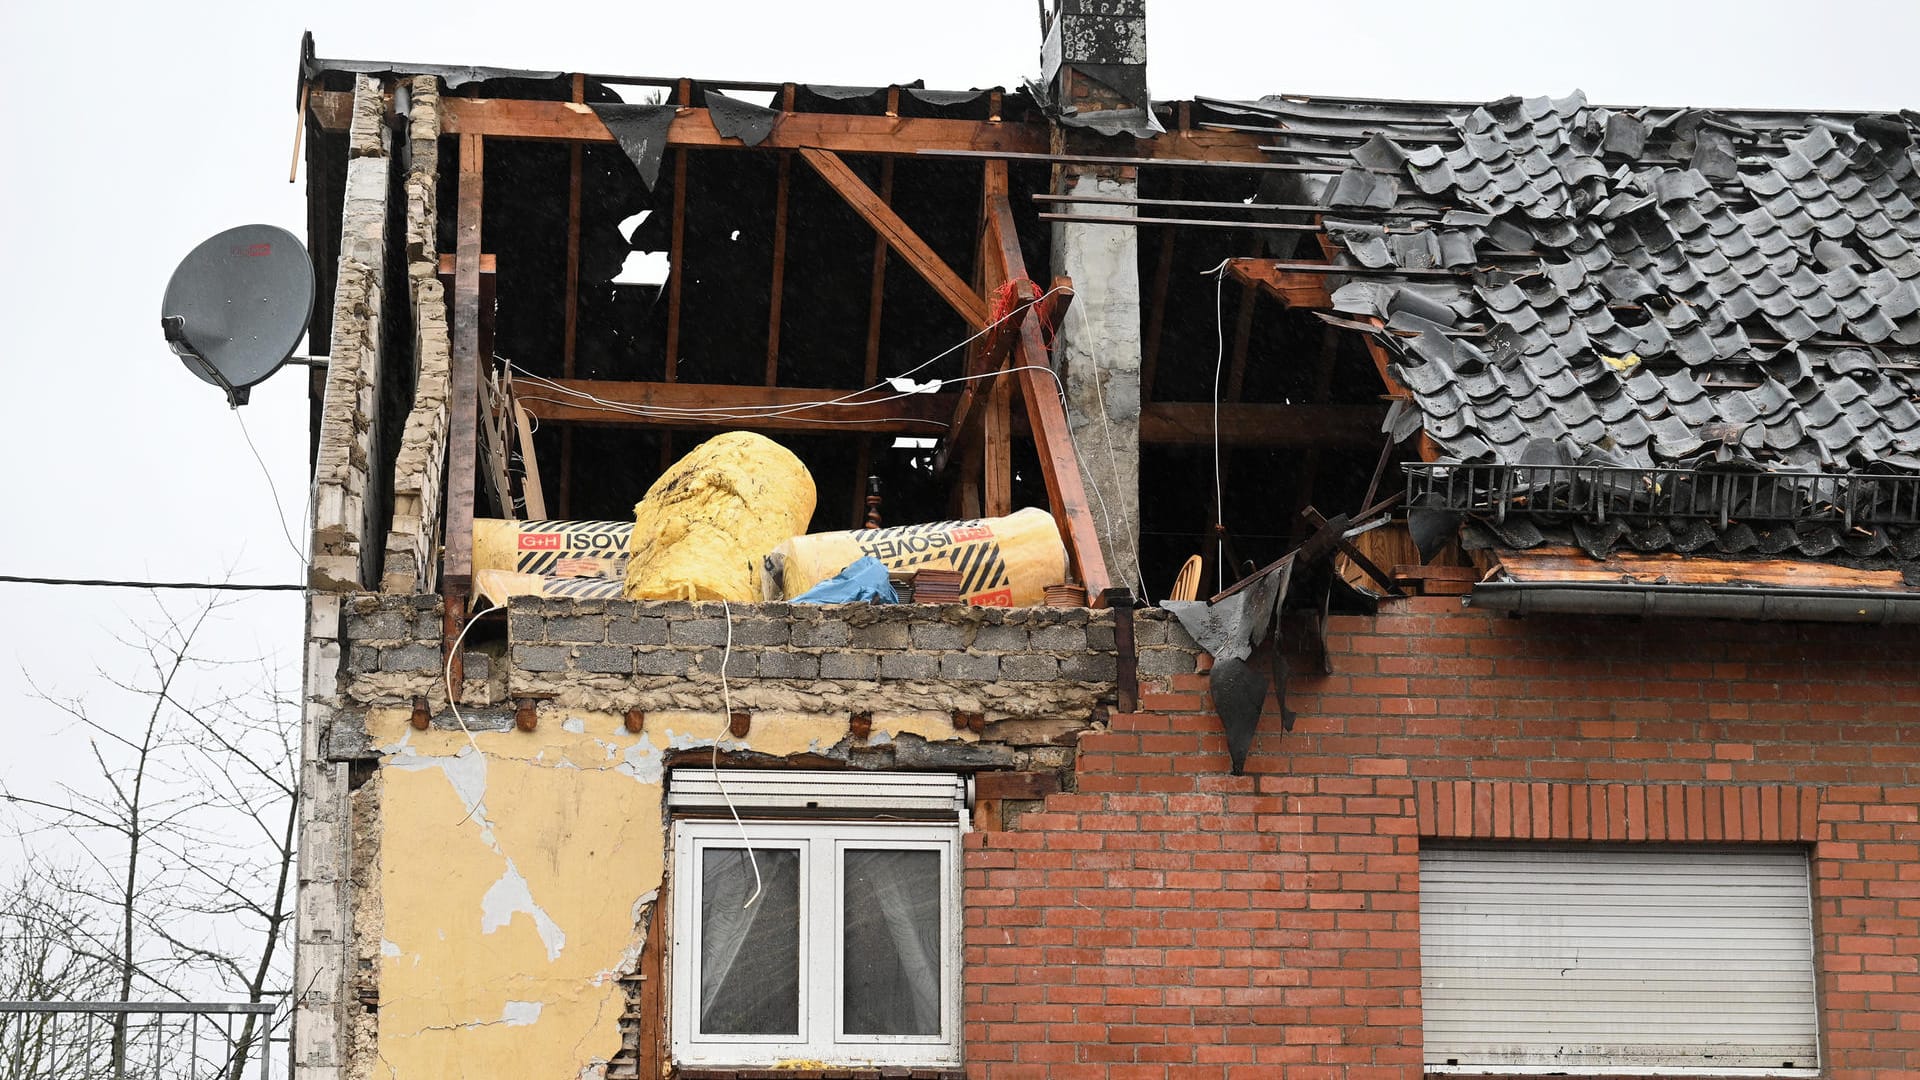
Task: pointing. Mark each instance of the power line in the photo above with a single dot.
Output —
(104, 583)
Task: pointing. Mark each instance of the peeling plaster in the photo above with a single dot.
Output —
(563, 825)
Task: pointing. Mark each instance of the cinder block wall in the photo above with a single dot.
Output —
(1167, 920)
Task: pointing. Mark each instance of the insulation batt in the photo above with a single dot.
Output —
(1003, 562)
(704, 526)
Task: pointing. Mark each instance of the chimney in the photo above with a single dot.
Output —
(1093, 64)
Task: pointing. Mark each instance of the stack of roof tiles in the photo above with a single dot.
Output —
(1568, 284)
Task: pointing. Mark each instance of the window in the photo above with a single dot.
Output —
(1617, 961)
(849, 952)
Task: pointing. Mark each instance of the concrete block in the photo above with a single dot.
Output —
(825, 634)
(541, 657)
(760, 631)
(1066, 639)
(606, 659)
(410, 658)
(741, 664)
(884, 635)
(526, 628)
(1090, 667)
(380, 626)
(697, 632)
(363, 659)
(1100, 637)
(970, 667)
(1166, 661)
(784, 664)
(1000, 639)
(909, 665)
(662, 662)
(939, 635)
(640, 630)
(1029, 667)
(581, 629)
(849, 665)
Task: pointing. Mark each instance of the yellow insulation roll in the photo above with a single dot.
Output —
(560, 548)
(706, 524)
(1003, 562)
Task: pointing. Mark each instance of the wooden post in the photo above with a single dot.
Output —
(677, 251)
(779, 270)
(463, 432)
(568, 345)
(876, 295)
(996, 451)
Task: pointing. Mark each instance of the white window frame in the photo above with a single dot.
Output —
(1491, 908)
(821, 844)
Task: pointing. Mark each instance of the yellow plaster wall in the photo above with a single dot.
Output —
(515, 868)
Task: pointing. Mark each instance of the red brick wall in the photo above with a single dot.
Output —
(1168, 921)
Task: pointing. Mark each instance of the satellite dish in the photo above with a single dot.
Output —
(237, 305)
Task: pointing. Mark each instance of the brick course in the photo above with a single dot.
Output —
(1167, 921)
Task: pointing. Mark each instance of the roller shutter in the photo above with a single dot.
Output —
(1612, 960)
(801, 792)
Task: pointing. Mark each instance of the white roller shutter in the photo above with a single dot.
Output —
(1614, 960)
(801, 791)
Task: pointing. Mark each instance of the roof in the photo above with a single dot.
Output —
(1569, 285)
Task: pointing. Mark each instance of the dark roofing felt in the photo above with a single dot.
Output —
(1647, 288)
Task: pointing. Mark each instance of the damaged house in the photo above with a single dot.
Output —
(1538, 482)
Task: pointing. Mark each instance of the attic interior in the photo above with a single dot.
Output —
(750, 270)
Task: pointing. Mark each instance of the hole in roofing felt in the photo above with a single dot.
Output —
(643, 268)
(638, 94)
(628, 226)
(735, 236)
(763, 98)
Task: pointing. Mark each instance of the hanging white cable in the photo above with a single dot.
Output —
(726, 699)
(1219, 497)
(453, 698)
(279, 511)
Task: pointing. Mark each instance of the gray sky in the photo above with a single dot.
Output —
(136, 129)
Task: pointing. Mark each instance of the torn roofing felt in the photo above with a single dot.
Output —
(641, 131)
(743, 120)
(1569, 284)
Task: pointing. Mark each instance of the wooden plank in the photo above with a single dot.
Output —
(904, 241)
(493, 446)
(507, 118)
(779, 270)
(1292, 288)
(535, 493)
(1157, 313)
(676, 265)
(1015, 785)
(1179, 423)
(463, 401)
(875, 412)
(997, 450)
(569, 344)
(1550, 564)
(876, 291)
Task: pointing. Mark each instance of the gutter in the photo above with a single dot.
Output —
(1696, 602)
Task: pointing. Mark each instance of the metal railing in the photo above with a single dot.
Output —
(1599, 492)
(135, 1040)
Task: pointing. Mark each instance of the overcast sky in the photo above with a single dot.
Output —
(134, 130)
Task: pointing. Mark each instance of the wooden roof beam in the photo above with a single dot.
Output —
(899, 236)
(728, 407)
(1290, 287)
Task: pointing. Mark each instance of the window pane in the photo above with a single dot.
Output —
(749, 955)
(891, 966)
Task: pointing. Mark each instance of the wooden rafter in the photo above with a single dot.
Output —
(1168, 423)
(899, 236)
(569, 343)
(779, 269)
(726, 406)
(1292, 288)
